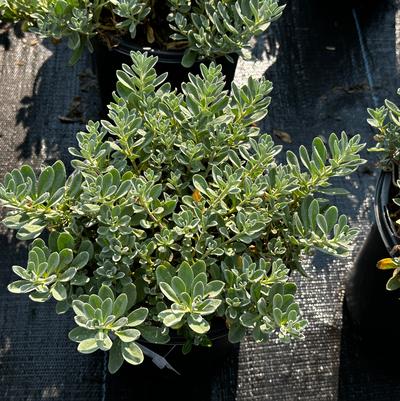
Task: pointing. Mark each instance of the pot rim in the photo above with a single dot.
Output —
(180, 340)
(125, 46)
(217, 331)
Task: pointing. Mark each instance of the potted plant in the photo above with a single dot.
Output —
(179, 32)
(177, 219)
(370, 294)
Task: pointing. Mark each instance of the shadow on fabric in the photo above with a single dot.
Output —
(53, 115)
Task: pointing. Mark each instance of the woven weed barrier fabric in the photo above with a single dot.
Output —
(37, 361)
(328, 64)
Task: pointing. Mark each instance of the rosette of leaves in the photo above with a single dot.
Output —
(179, 202)
(203, 28)
(386, 121)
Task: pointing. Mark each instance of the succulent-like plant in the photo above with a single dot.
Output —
(386, 120)
(203, 28)
(177, 215)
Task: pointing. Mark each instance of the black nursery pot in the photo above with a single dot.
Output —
(198, 358)
(373, 309)
(196, 370)
(108, 61)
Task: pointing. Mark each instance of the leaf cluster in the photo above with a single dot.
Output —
(178, 208)
(386, 121)
(205, 29)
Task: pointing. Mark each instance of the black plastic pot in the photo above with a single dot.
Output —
(198, 357)
(196, 371)
(374, 311)
(108, 61)
(385, 192)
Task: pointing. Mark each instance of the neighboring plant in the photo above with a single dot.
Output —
(203, 28)
(178, 215)
(386, 120)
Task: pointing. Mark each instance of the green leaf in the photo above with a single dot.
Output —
(236, 333)
(58, 291)
(132, 353)
(59, 176)
(163, 275)
(277, 314)
(155, 335)
(104, 342)
(65, 240)
(28, 172)
(214, 288)
(322, 224)
(169, 292)
(68, 275)
(79, 334)
(88, 346)
(78, 307)
(21, 272)
(172, 319)
(313, 211)
(130, 291)
(198, 324)
(393, 283)
(75, 183)
(189, 58)
(115, 359)
(31, 230)
(107, 308)
(45, 182)
(80, 260)
(178, 285)
(106, 292)
(248, 319)
(40, 296)
(137, 317)
(120, 305)
(66, 257)
(208, 306)
(199, 267)
(198, 290)
(200, 183)
(53, 262)
(331, 216)
(201, 277)
(96, 301)
(186, 274)
(20, 287)
(15, 221)
(128, 335)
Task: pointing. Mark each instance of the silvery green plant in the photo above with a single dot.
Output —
(177, 216)
(203, 28)
(386, 121)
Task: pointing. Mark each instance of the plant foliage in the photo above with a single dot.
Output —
(177, 215)
(204, 28)
(386, 121)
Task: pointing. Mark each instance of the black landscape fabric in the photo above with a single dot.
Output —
(328, 63)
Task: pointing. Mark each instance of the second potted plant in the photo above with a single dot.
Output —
(370, 294)
(181, 33)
